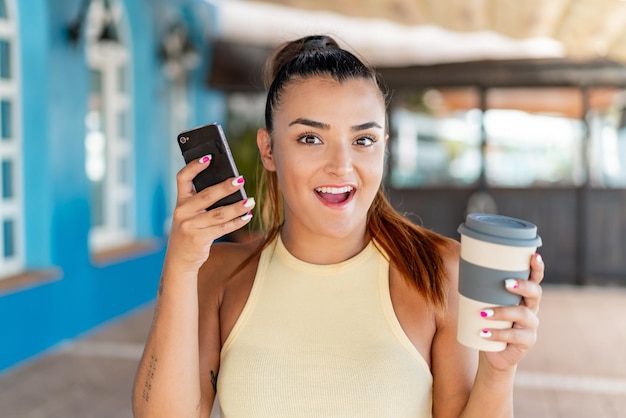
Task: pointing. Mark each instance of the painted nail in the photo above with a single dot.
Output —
(511, 284)
(206, 159)
(539, 259)
(238, 181)
(485, 333)
(249, 202)
(487, 313)
(247, 216)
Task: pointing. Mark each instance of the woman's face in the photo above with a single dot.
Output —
(327, 149)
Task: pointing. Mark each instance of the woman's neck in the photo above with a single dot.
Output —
(320, 249)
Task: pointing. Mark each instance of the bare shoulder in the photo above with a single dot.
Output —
(224, 284)
(225, 258)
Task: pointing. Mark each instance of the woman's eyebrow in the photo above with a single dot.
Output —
(321, 125)
(311, 123)
(366, 125)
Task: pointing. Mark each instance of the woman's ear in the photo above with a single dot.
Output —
(264, 142)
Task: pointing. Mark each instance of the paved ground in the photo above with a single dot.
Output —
(577, 369)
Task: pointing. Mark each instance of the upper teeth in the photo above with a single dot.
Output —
(334, 190)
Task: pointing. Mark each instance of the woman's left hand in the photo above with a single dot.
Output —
(522, 336)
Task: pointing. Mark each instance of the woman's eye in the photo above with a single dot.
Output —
(309, 139)
(366, 141)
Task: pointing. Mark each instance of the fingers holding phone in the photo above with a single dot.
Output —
(211, 200)
(207, 145)
(216, 215)
(210, 142)
(205, 200)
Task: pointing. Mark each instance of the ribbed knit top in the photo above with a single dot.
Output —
(321, 341)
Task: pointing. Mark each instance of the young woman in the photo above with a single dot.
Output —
(344, 308)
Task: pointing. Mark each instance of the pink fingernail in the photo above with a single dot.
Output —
(485, 333)
(206, 159)
(247, 216)
(238, 181)
(487, 313)
(248, 203)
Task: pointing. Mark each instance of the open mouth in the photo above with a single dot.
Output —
(335, 194)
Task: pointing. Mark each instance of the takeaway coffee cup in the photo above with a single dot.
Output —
(493, 249)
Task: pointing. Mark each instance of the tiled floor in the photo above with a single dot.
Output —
(577, 369)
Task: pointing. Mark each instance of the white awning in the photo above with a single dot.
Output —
(379, 41)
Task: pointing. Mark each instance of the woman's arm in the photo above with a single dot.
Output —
(467, 384)
(167, 383)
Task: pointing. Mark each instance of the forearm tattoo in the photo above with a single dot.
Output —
(147, 387)
(214, 380)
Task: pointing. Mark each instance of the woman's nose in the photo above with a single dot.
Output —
(339, 161)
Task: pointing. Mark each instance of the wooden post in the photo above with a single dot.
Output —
(482, 179)
(582, 215)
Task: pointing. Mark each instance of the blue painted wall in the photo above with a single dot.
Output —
(54, 92)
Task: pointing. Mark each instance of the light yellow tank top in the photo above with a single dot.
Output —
(321, 341)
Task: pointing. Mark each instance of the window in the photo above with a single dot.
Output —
(108, 142)
(533, 137)
(11, 199)
(607, 148)
(436, 139)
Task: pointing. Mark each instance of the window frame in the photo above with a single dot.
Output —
(11, 150)
(118, 209)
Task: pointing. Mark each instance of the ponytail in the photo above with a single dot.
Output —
(413, 250)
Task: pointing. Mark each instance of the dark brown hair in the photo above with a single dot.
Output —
(413, 250)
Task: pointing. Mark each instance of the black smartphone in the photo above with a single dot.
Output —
(210, 139)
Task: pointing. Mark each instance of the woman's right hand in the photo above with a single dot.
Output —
(194, 228)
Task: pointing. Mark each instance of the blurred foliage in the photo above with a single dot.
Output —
(245, 117)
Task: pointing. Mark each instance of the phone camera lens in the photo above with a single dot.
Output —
(183, 139)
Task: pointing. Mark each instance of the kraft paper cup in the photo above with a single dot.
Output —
(493, 249)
